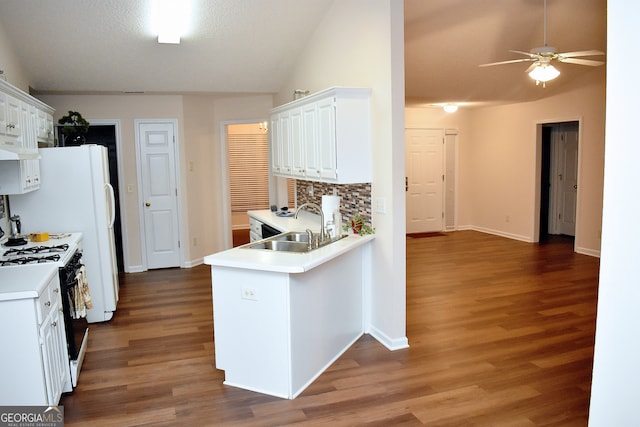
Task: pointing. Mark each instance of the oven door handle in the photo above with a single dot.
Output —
(112, 203)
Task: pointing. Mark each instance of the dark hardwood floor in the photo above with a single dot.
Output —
(501, 333)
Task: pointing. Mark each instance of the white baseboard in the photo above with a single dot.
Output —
(134, 269)
(502, 234)
(193, 263)
(391, 343)
(590, 252)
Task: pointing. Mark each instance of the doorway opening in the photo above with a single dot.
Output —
(249, 183)
(107, 135)
(558, 181)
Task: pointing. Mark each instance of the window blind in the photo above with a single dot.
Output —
(248, 171)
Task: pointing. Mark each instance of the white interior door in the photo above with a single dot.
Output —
(424, 185)
(159, 190)
(568, 175)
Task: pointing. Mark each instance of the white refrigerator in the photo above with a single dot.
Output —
(75, 195)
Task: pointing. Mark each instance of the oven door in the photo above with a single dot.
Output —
(76, 327)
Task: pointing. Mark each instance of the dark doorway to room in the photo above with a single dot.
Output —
(105, 135)
(558, 181)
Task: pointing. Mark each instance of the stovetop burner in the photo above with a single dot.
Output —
(58, 250)
(36, 250)
(30, 260)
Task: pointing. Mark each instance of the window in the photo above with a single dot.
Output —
(248, 167)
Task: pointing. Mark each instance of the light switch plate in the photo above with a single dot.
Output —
(381, 205)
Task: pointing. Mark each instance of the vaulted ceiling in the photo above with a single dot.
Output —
(249, 46)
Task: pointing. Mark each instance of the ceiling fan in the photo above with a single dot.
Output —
(542, 70)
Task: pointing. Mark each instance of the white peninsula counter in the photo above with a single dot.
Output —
(281, 318)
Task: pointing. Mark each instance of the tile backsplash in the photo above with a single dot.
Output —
(354, 198)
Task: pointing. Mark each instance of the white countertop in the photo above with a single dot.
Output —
(305, 220)
(25, 281)
(285, 262)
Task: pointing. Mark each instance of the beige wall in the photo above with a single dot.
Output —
(361, 43)
(13, 70)
(497, 160)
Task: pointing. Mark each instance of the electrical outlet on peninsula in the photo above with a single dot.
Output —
(249, 293)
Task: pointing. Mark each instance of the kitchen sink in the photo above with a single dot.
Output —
(281, 245)
(293, 236)
(293, 241)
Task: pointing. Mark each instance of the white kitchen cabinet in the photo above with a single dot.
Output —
(275, 142)
(255, 229)
(285, 142)
(34, 363)
(44, 127)
(10, 122)
(331, 140)
(296, 143)
(19, 176)
(310, 141)
(24, 122)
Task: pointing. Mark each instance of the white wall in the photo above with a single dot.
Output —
(361, 43)
(616, 370)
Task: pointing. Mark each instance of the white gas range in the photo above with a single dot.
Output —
(59, 249)
(19, 280)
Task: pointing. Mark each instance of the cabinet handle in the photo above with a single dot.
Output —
(54, 324)
(56, 290)
(48, 303)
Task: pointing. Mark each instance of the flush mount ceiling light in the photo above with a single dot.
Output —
(450, 108)
(170, 19)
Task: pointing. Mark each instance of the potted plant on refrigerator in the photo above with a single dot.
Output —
(74, 127)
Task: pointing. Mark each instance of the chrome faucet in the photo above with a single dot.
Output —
(319, 209)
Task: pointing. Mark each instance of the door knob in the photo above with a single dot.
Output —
(147, 204)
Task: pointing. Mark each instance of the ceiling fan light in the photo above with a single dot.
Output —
(544, 73)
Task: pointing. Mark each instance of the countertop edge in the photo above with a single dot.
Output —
(281, 262)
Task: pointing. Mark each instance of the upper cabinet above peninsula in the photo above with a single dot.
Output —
(323, 137)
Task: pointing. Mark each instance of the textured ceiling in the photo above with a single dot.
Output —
(249, 46)
(108, 45)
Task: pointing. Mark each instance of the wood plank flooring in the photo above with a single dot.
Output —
(501, 333)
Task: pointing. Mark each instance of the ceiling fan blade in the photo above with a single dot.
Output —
(581, 53)
(589, 62)
(513, 61)
(529, 54)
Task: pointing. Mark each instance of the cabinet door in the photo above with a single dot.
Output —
(13, 116)
(44, 126)
(9, 121)
(297, 143)
(27, 130)
(3, 115)
(285, 141)
(327, 138)
(54, 356)
(274, 135)
(310, 138)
